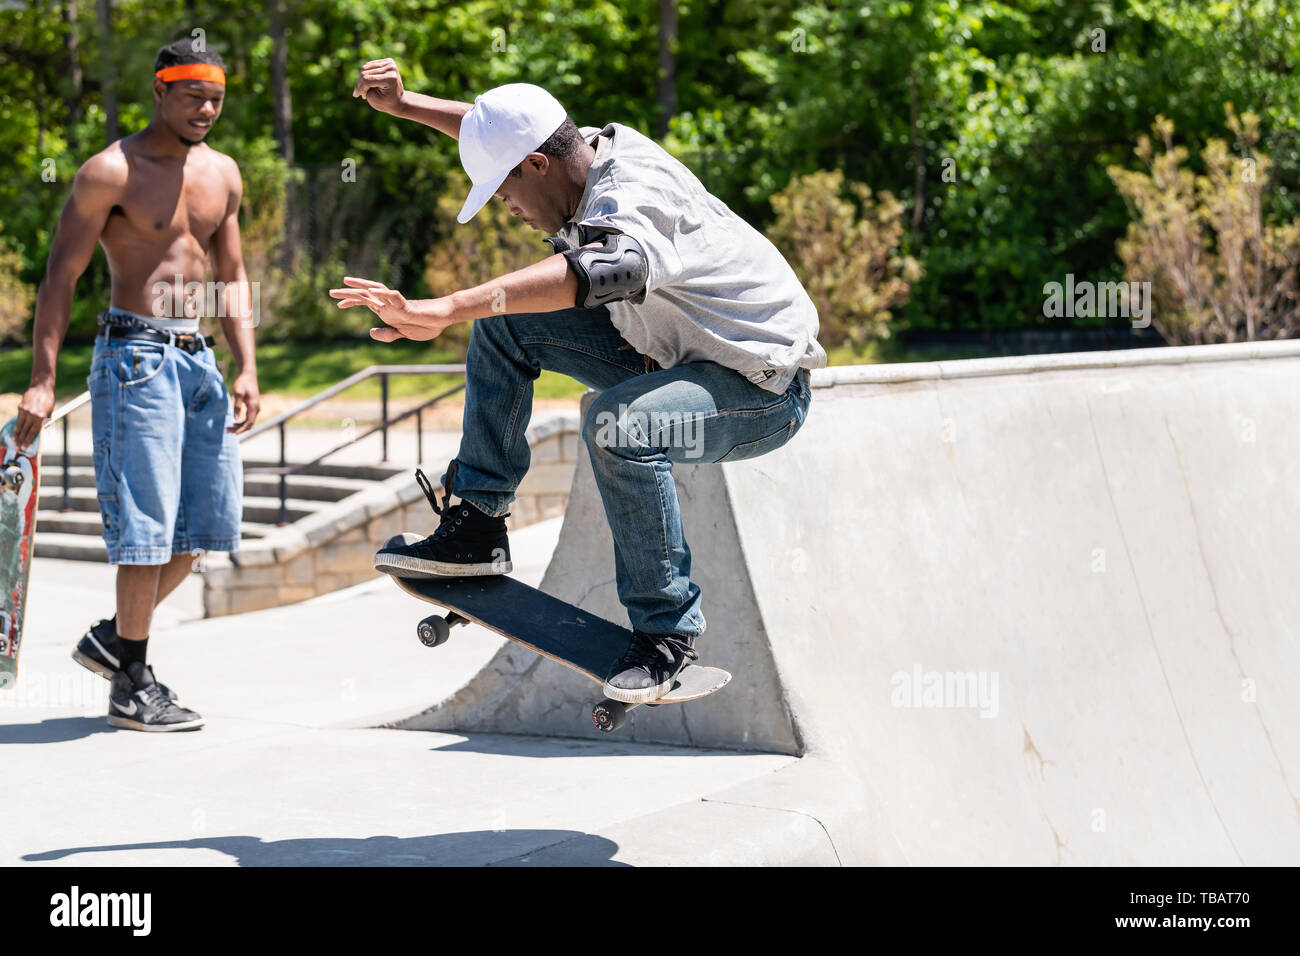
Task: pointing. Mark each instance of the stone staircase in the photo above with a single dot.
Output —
(337, 516)
(75, 533)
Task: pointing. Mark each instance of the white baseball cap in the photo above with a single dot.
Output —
(503, 126)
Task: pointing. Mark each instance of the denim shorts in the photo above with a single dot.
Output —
(167, 473)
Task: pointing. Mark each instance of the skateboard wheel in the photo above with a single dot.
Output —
(609, 715)
(13, 478)
(433, 631)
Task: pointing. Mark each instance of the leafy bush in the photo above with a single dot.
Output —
(294, 298)
(1218, 273)
(845, 253)
(489, 245)
(16, 296)
(261, 224)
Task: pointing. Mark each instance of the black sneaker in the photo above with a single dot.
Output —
(467, 543)
(137, 702)
(648, 668)
(100, 650)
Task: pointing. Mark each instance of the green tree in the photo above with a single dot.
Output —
(16, 296)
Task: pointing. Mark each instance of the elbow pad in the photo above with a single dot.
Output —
(610, 272)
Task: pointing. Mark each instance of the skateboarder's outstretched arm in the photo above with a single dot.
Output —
(380, 85)
(545, 286)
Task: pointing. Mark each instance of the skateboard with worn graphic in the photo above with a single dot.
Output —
(550, 627)
(20, 470)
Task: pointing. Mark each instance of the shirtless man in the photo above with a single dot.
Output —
(167, 469)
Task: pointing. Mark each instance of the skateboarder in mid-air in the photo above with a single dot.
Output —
(691, 325)
(167, 470)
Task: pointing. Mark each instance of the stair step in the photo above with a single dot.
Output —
(52, 462)
(257, 509)
(68, 522)
(71, 547)
(79, 499)
(372, 472)
(54, 459)
(74, 547)
(307, 487)
(88, 523)
(266, 511)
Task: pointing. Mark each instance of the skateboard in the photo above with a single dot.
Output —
(20, 471)
(550, 627)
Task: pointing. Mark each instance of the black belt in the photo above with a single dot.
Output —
(187, 341)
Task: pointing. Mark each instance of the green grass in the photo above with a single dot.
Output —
(297, 369)
(70, 375)
(304, 368)
(300, 369)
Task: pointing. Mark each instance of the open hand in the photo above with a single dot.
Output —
(403, 320)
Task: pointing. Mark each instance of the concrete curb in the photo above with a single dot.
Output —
(1020, 364)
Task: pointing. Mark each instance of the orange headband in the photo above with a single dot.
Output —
(193, 71)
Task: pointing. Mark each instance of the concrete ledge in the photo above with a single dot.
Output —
(1020, 364)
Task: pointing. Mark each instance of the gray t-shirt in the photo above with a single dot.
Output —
(718, 290)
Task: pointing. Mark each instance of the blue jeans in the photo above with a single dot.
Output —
(167, 472)
(640, 424)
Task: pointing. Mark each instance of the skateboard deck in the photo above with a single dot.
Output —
(550, 627)
(19, 483)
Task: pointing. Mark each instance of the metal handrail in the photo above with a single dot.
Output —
(418, 412)
(347, 383)
(62, 414)
(67, 409)
(284, 470)
(278, 422)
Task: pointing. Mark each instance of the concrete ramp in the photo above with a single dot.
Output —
(1010, 611)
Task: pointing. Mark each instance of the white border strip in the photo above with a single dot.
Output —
(1020, 364)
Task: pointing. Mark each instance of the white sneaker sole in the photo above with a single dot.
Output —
(406, 567)
(127, 724)
(646, 696)
(92, 665)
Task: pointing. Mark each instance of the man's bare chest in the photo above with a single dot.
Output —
(159, 209)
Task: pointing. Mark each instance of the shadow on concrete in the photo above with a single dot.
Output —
(55, 730)
(473, 848)
(524, 745)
